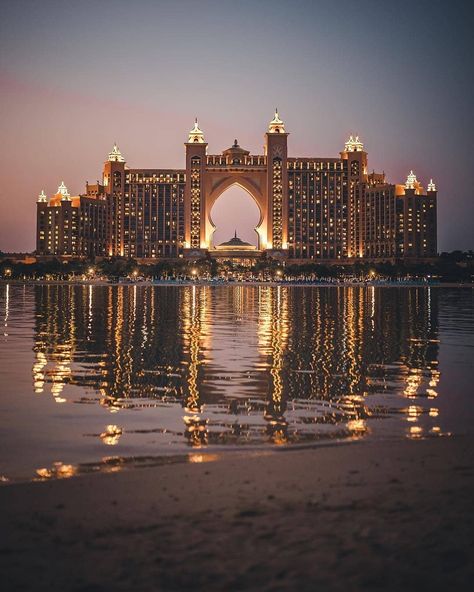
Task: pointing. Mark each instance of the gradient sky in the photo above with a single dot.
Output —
(77, 76)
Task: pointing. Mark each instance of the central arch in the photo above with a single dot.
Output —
(218, 186)
(235, 210)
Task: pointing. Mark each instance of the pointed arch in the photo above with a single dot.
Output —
(255, 209)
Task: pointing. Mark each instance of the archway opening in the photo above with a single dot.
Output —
(235, 211)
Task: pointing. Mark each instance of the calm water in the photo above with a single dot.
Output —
(100, 377)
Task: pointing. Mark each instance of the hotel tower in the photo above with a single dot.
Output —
(320, 209)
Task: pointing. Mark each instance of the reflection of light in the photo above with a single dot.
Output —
(413, 412)
(38, 374)
(202, 458)
(357, 426)
(7, 308)
(111, 436)
(196, 430)
(415, 432)
(58, 470)
(413, 382)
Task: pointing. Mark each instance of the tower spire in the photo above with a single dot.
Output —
(62, 190)
(353, 144)
(42, 196)
(276, 125)
(411, 180)
(196, 136)
(116, 155)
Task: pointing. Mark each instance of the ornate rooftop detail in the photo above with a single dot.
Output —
(237, 244)
(431, 186)
(196, 136)
(42, 197)
(62, 190)
(276, 125)
(236, 150)
(353, 144)
(411, 180)
(116, 155)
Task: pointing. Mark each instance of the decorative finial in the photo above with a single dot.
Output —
(276, 124)
(431, 186)
(42, 196)
(353, 144)
(411, 180)
(195, 135)
(235, 233)
(116, 155)
(62, 189)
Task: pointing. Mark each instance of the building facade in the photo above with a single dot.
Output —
(321, 209)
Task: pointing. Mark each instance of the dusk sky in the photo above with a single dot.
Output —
(77, 76)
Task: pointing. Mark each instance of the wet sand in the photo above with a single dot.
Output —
(362, 516)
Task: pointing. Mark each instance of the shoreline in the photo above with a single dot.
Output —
(161, 283)
(375, 515)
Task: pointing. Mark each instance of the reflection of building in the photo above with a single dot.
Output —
(322, 209)
(243, 363)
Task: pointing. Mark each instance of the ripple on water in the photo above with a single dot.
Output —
(157, 371)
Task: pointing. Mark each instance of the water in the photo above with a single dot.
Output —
(104, 377)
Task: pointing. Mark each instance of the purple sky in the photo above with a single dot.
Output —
(77, 76)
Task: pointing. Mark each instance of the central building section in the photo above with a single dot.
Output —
(264, 177)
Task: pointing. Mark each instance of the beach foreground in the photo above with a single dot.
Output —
(367, 515)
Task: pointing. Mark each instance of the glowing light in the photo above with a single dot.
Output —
(196, 136)
(111, 436)
(277, 186)
(415, 432)
(195, 201)
(42, 197)
(62, 190)
(358, 426)
(353, 144)
(276, 125)
(202, 458)
(411, 180)
(431, 186)
(116, 155)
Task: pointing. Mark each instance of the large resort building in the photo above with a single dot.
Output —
(328, 210)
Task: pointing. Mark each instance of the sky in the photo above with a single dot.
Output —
(76, 76)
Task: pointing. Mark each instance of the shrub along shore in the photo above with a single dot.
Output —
(456, 267)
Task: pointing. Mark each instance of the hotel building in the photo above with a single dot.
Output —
(321, 209)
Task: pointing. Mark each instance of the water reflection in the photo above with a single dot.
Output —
(246, 365)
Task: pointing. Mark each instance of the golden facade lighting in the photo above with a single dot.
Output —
(319, 209)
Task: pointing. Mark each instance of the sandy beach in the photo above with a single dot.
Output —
(392, 515)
